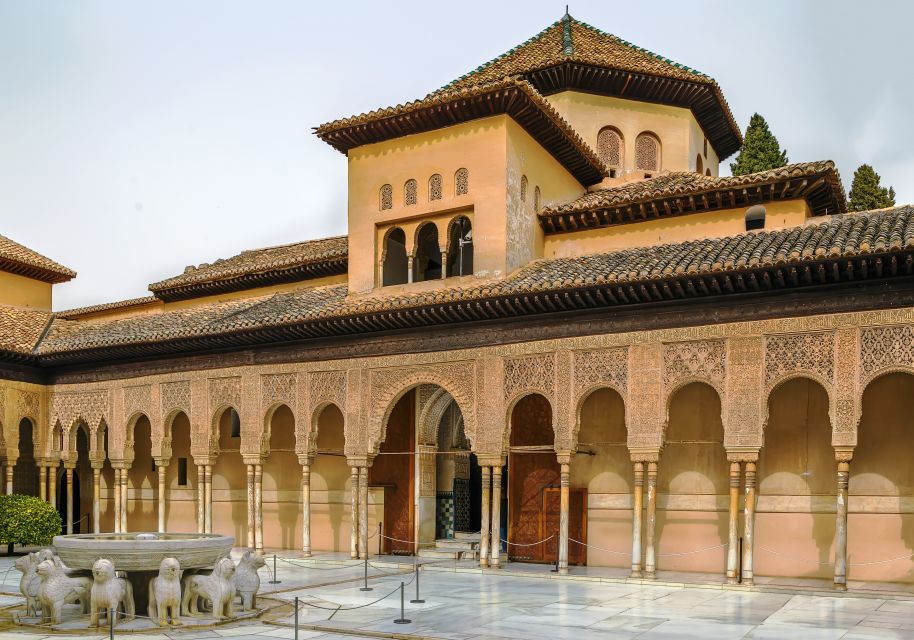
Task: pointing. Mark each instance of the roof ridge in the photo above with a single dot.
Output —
(567, 44)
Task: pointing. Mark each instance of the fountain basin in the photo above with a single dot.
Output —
(129, 552)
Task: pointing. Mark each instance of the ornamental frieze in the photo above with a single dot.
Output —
(598, 367)
(697, 360)
(884, 349)
(176, 397)
(800, 353)
(277, 388)
(530, 373)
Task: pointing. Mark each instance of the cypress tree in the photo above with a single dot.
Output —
(760, 150)
(866, 193)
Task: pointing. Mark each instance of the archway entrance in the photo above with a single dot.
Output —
(394, 470)
(25, 474)
(180, 478)
(230, 507)
(331, 515)
(282, 484)
(143, 479)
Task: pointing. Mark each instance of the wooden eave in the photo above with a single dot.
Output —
(34, 272)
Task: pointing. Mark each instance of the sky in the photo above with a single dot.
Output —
(140, 137)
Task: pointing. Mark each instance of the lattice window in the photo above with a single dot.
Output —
(609, 147)
(435, 187)
(647, 153)
(386, 197)
(523, 188)
(536, 200)
(461, 182)
(410, 192)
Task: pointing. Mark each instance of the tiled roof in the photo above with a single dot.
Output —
(817, 182)
(107, 306)
(515, 97)
(258, 267)
(837, 248)
(20, 329)
(18, 259)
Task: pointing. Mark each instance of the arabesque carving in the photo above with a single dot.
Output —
(810, 353)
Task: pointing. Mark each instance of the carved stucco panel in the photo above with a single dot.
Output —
(530, 374)
(645, 397)
(800, 354)
(885, 349)
(704, 360)
(743, 426)
(175, 396)
(847, 409)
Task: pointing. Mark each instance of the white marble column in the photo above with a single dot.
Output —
(650, 559)
(208, 495)
(116, 491)
(354, 482)
(252, 543)
(844, 460)
(733, 524)
(10, 467)
(201, 498)
(52, 484)
(96, 499)
(564, 499)
(363, 517)
(637, 513)
(258, 507)
(306, 509)
(748, 523)
(125, 501)
(162, 485)
(484, 525)
(68, 473)
(495, 541)
(43, 482)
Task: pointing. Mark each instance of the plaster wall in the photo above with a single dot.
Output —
(697, 148)
(142, 477)
(19, 291)
(181, 505)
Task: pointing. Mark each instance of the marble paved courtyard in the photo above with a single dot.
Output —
(473, 605)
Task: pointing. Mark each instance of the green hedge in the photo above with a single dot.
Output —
(27, 521)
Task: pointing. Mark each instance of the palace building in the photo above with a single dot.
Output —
(553, 333)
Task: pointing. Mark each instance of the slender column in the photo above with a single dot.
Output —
(43, 482)
(363, 518)
(201, 498)
(841, 523)
(443, 265)
(208, 495)
(306, 510)
(563, 514)
(9, 478)
(125, 503)
(258, 507)
(162, 483)
(484, 526)
(69, 479)
(733, 540)
(650, 562)
(354, 481)
(748, 523)
(96, 499)
(251, 541)
(637, 509)
(409, 268)
(116, 487)
(495, 543)
(52, 484)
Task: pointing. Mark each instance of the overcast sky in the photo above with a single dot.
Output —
(139, 137)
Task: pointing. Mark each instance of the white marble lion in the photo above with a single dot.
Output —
(247, 581)
(218, 588)
(109, 592)
(57, 589)
(165, 593)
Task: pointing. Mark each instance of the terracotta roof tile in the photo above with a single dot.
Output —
(20, 329)
(107, 306)
(19, 259)
(849, 235)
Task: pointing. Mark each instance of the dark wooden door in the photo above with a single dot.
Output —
(577, 524)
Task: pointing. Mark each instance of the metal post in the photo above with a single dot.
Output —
(418, 600)
(739, 576)
(402, 619)
(296, 618)
(111, 613)
(380, 538)
(274, 580)
(365, 587)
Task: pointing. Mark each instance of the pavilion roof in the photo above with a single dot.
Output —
(20, 260)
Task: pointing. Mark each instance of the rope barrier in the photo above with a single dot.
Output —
(866, 564)
(831, 562)
(361, 606)
(398, 539)
(532, 544)
(311, 566)
(688, 553)
(593, 546)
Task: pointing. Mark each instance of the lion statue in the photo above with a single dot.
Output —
(29, 582)
(247, 582)
(109, 592)
(218, 588)
(57, 589)
(165, 593)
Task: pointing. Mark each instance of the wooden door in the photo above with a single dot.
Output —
(577, 524)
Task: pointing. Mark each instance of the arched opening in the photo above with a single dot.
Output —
(428, 254)
(533, 473)
(180, 478)
(881, 513)
(461, 182)
(523, 189)
(395, 269)
(386, 197)
(603, 468)
(143, 481)
(693, 484)
(647, 152)
(708, 172)
(755, 217)
(282, 484)
(25, 474)
(435, 187)
(82, 494)
(230, 479)
(610, 148)
(699, 165)
(460, 247)
(331, 517)
(410, 192)
(795, 514)
(394, 470)
(106, 490)
(453, 463)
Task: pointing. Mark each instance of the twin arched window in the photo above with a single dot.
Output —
(428, 262)
(647, 152)
(395, 268)
(460, 247)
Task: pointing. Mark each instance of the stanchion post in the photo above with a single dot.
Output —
(418, 600)
(111, 614)
(275, 580)
(402, 619)
(365, 587)
(739, 576)
(380, 538)
(556, 568)
(296, 617)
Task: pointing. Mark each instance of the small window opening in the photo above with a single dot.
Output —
(236, 423)
(755, 217)
(182, 472)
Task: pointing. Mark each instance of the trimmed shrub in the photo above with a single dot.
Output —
(27, 521)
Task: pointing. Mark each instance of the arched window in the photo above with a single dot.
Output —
(610, 147)
(394, 258)
(699, 165)
(235, 421)
(460, 247)
(386, 197)
(523, 188)
(410, 192)
(647, 152)
(461, 182)
(427, 264)
(755, 217)
(536, 200)
(435, 187)
(708, 172)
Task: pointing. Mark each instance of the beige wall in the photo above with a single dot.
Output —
(711, 224)
(181, 505)
(19, 291)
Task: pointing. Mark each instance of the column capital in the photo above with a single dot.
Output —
(202, 461)
(645, 455)
(564, 457)
(844, 454)
(742, 454)
(305, 459)
(358, 461)
(253, 459)
(162, 462)
(491, 460)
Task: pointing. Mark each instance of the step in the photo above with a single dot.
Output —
(461, 545)
(449, 554)
(466, 535)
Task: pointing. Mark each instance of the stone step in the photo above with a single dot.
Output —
(466, 535)
(452, 543)
(449, 554)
